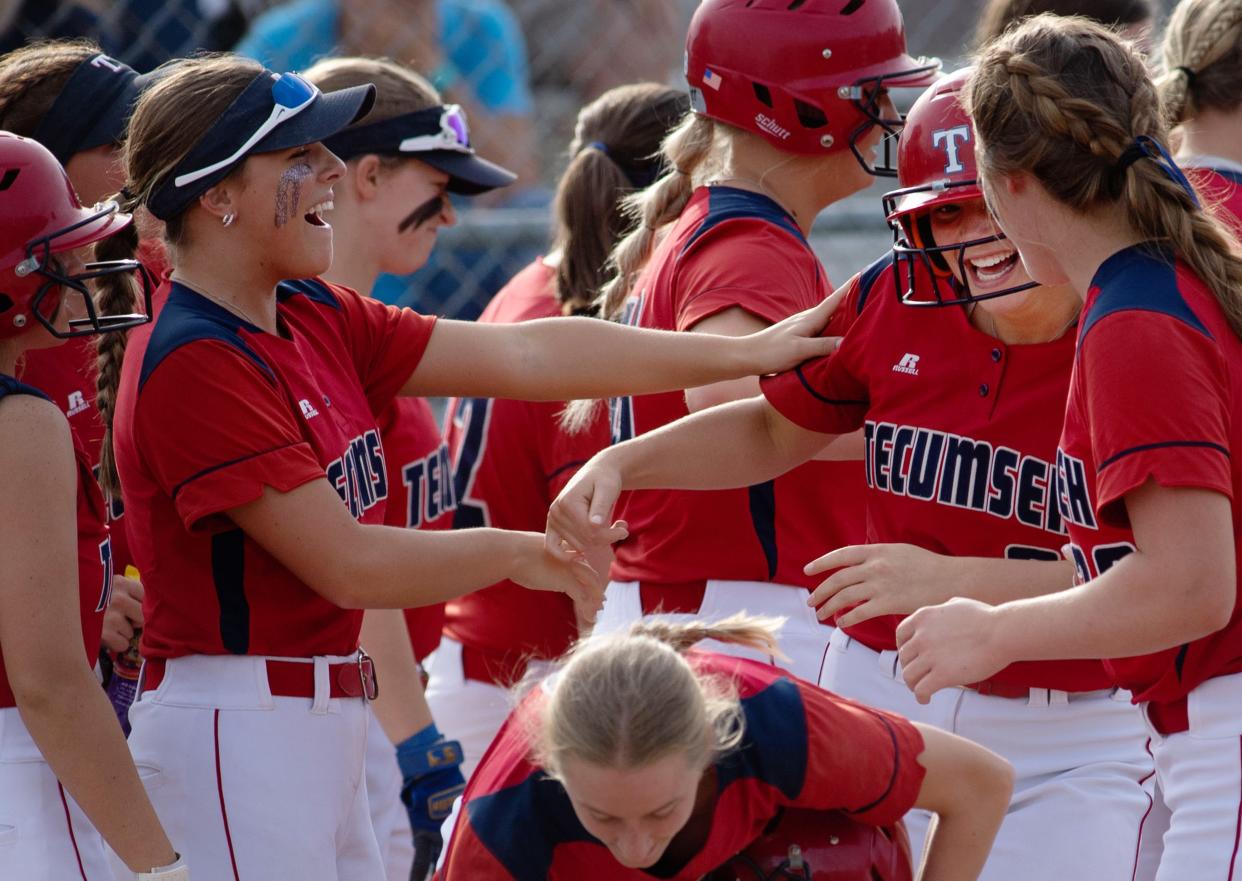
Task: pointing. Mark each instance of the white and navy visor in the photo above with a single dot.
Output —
(437, 135)
(275, 112)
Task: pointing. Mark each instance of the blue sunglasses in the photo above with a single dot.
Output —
(291, 95)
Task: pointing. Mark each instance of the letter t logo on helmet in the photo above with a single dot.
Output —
(808, 75)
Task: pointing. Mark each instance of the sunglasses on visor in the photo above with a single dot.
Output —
(291, 95)
(454, 134)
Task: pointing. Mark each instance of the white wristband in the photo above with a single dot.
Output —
(178, 871)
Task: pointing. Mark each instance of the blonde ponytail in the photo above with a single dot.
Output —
(630, 699)
(1202, 58)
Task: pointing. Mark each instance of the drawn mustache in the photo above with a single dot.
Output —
(422, 213)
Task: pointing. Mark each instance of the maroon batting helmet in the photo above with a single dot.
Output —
(822, 846)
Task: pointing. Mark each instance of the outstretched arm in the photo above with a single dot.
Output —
(558, 359)
(360, 566)
(1178, 586)
(733, 445)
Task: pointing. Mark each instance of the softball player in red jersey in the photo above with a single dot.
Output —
(1074, 163)
(779, 107)
(1202, 60)
(510, 458)
(64, 770)
(959, 408)
(255, 477)
(710, 749)
(402, 161)
(75, 100)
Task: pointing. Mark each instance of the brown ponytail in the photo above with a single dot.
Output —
(687, 152)
(1202, 59)
(616, 136)
(115, 295)
(627, 700)
(1064, 99)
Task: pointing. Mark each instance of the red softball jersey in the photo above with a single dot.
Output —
(420, 494)
(211, 411)
(730, 248)
(803, 748)
(1219, 183)
(960, 434)
(510, 459)
(67, 375)
(1154, 397)
(94, 546)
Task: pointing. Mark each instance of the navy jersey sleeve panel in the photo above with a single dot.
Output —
(1230, 174)
(774, 744)
(12, 386)
(522, 825)
(311, 288)
(727, 203)
(868, 278)
(1143, 279)
(188, 317)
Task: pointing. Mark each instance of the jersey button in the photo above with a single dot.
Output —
(996, 354)
(983, 390)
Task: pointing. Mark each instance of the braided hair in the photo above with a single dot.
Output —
(1202, 58)
(1064, 99)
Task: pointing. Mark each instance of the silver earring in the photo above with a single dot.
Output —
(228, 219)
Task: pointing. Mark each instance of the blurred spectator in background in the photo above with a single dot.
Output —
(22, 21)
(471, 50)
(150, 32)
(573, 67)
(474, 53)
(1133, 19)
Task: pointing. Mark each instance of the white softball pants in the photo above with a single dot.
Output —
(1200, 774)
(1083, 773)
(44, 836)
(254, 786)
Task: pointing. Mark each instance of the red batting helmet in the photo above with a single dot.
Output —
(808, 75)
(936, 166)
(40, 217)
(822, 846)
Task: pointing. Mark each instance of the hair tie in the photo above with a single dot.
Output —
(599, 145)
(1146, 147)
(1191, 76)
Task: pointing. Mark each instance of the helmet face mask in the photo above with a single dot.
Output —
(41, 221)
(58, 284)
(936, 162)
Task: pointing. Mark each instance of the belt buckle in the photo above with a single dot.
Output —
(367, 679)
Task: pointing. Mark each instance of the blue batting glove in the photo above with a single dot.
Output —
(431, 768)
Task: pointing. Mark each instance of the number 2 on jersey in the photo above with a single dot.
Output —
(471, 417)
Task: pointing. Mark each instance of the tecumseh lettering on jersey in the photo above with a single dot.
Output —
(358, 475)
(948, 469)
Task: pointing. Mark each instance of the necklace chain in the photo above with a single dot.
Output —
(990, 330)
(227, 305)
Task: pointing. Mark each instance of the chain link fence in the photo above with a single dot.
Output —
(522, 68)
